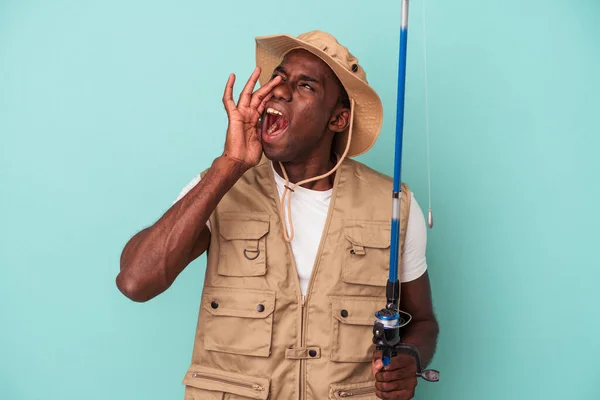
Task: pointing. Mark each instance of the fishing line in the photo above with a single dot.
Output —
(430, 212)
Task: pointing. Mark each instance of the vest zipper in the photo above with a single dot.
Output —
(355, 392)
(303, 298)
(301, 380)
(314, 272)
(230, 381)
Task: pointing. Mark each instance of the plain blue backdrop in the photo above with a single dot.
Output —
(108, 108)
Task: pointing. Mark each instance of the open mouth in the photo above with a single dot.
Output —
(275, 124)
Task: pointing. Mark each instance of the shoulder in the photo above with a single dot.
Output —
(373, 179)
(363, 170)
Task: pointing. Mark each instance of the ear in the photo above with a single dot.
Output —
(340, 119)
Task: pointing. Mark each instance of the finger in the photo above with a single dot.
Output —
(264, 91)
(399, 395)
(261, 116)
(246, 94)
(259, 130)
(398, 367)
(376, 364)
(400, 384)
(386, 376)
(401, 361)
(228, 94)
(263, 104)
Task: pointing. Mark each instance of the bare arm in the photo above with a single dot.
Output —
(155, 256)
(422, 331)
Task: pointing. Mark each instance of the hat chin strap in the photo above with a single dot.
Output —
(287, 189)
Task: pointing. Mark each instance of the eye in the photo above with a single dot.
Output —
(307, 86)
(276, 75)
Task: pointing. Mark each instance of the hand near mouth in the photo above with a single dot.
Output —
(243, 143)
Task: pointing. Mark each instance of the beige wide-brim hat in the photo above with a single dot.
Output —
(368, 110)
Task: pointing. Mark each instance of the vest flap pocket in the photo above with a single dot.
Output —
(368, 233)
(238, 321)
(353, 320)
(241, 303)
(356, 310)
(242, 244)
(244, 225)
(358, 391)
(366, 252)
(215, 380)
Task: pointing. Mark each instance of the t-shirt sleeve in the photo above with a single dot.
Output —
(414, 262)
(186, 190)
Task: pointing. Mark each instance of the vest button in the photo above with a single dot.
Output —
(214, 304)
(312, 353)
(344, 313)
(260, 308)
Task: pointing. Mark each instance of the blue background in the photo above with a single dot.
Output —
(108, 108)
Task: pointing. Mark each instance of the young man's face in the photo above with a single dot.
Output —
(308, 101)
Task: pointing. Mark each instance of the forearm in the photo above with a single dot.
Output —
(154, 257)
(423, 334)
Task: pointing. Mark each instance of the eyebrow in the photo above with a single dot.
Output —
(302, 77)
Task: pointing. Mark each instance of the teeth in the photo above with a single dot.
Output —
(273, 111)
(272, 129)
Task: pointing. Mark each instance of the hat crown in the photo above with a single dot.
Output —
(327, 43)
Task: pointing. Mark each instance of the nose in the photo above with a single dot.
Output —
(282, 92)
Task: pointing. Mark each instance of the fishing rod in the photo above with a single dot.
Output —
(386, 330)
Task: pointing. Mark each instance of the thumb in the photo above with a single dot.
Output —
(376, 365)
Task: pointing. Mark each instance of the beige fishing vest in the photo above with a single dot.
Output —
(257, 337)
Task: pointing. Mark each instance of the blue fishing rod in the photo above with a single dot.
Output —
(386, 330)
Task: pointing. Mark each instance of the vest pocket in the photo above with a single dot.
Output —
(238, 321)
(204, 383)
(243, 247)
(352, 333)
(358, 391)
(367, 252)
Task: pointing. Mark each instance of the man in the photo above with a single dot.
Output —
(298, 239)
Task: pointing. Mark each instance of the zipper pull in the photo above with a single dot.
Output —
(344, 394)
(303, 300)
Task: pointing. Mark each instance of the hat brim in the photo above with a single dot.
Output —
(368, 110)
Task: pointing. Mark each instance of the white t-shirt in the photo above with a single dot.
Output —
(309, 212)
